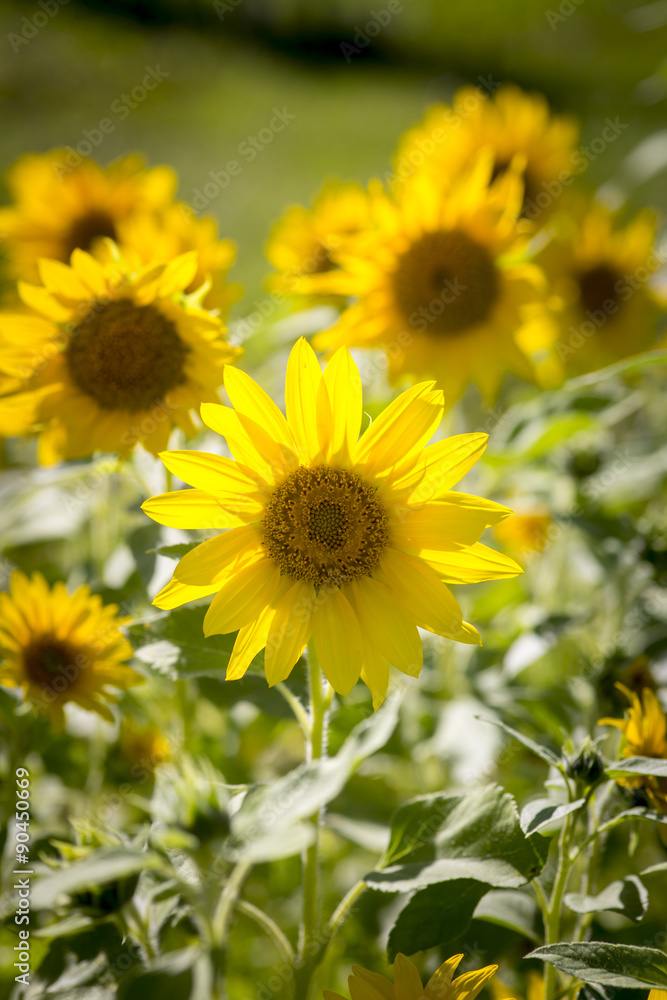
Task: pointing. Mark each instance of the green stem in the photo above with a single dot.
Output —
(296, 706)
(283, 947)
(309, 944)
(552, 928)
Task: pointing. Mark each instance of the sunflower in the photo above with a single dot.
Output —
(511, 123)
(109, 356)
(525, 532)
(599, 270)
(407, 984)
(443, 285)
(348, 540)
(644, 735)
(147, 237)
(143, 748)
(63, 202)
(304, 241)
(59, 647)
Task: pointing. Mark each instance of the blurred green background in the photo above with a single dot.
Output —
(229, 64)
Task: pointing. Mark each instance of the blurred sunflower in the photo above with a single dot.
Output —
(644, 735)
(348, 540)
(148, 237)
(304, 241)
(525, 532)
(142, 747)
(59, 648)
(599, 271)
(59, 208)
(109, 356)
(511, 123)
(443, 285)
(407, 985)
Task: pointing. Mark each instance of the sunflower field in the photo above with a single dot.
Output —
(333, 493)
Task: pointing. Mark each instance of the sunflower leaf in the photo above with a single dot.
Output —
(477, 836)
(655, 766)
(627, 896)
(435, 916)
(623, 965)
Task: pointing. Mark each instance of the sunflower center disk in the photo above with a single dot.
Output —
(46, 658)
(598, 288)
(127, 357)
(447, 280)
(88, 228)
(325, 526)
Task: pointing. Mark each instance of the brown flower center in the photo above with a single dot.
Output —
(87, 228)
(47, 658)
(597, 288)
(325, 526)
(446, 281)
(127, 357)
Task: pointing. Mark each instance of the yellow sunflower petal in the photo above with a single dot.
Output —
(365, 985)
(302, 382)
(387, 625)
(402, 428)
(211, 473)
(289, 632)
(178, 273)
(250, 401)
(190, 509)
(337, 638)
(343, 383)
(436, 987)
(61, 279)
(174, 594)
(458, 519)
(442, 465)
(250, 641)
(212, 561)
(43, 302)
(243, 597)
(470, 984)
(420, 592)
(471, 564)
(407, 982)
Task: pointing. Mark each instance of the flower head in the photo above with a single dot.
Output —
(63, 202)
(109, 356)
(407, 984)
(304, 242)
(598, 271)
(441, 283)
(59, 647)
(644, 735)
(351, 541)
(513, 125)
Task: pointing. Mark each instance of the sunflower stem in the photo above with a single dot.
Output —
(309, 942)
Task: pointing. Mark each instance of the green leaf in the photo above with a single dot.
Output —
(475, 836)
(513, 909)
(268, 811)
(435, 916)
(105, 865)
(627, 896)
(174, 644)
(655, 766)
(541, 813)
(541, 751)
(624, 965)
(416, 823)
(176, 551)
